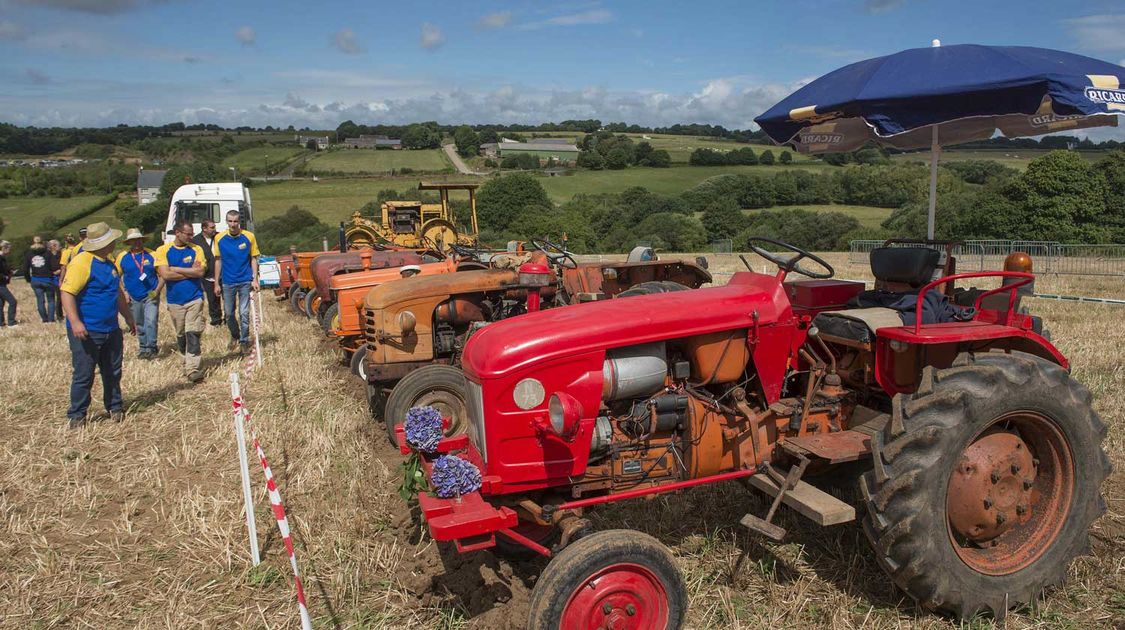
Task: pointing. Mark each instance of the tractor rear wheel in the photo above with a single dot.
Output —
(618, 578)
(985, 483)
(440, 386)
(310, 303)
(330, 320)
(296, 299)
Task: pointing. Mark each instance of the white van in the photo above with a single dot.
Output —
(196, 202)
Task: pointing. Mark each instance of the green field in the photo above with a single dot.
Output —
(254, 160)
(22, 215)
(378, 161)
(1012, 158)
(665, 181)
(868, 216)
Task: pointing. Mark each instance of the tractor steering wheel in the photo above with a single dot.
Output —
(465, 252)
(554, 252)
(790, 264)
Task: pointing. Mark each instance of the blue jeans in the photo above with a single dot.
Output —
(239, 328)
(6, 296)
(104, 352)
(147, 313)
(45, 300)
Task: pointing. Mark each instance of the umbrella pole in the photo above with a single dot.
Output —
(935, 154)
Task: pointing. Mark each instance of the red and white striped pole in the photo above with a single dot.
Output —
(282, 524)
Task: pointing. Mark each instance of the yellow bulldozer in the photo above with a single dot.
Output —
(413, 224)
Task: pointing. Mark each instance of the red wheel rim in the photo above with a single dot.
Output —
(622, 596)
(1010, 493)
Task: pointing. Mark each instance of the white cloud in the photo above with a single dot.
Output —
(246, 35)
(431, 36)
(499, 19)
(594, 16)
(346, 42)
(1098, 32)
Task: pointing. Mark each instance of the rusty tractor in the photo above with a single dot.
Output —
(981, 455)
(414, 331)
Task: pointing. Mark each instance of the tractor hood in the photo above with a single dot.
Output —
(324, 267)
(391, 293)
(521, 342)
(374, 277)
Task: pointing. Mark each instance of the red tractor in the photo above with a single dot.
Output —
(981, 456)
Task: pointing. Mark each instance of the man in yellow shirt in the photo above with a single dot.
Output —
(92, 299)
(180, 264)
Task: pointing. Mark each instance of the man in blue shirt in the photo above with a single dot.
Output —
(180, 264)
(92, 298)
(236, 273)
(142, 286)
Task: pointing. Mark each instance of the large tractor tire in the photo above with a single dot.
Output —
(985, 483)
(440, 386)
(330, 320)
(309, 303)
(618, 578)
(297, 299)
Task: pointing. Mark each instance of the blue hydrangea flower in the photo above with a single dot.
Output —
(423, 428)
(453, 477)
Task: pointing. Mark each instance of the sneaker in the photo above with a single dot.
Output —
(195, 376)
(117, 416)
(77, 423)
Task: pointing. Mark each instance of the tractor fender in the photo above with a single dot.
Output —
(900, 356)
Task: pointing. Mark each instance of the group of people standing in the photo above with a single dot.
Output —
(94, 287)
(43, 267)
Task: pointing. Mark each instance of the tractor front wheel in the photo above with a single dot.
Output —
(358, 368)
(985, 483)
(296, 299)
(440, 386)
(330, 320)
(310, 303)
(618, 578)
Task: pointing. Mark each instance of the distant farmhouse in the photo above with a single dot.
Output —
(373, 142)
(321, 141)
(148, 185)
(561, 152)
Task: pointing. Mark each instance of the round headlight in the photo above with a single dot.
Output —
(564, 413)
(557, 414)
(406, 322)
(528, 394)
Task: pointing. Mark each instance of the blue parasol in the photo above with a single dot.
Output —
(946, 95)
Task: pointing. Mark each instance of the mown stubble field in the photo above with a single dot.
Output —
(139, 524)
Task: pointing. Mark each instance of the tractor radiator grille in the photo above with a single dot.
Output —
(476, 419)
(369, 327)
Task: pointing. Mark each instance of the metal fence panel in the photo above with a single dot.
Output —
(1048, 257)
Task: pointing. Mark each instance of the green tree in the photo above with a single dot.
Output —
(785, 158)
(1112, 169)
(500, 200)
(1061, 198)
(723, 219)
(591, 160)
(766, 158)
(659, 158)
(467, 141)
(674, 232)
(421, 136)
(617, 159)
(643, 152)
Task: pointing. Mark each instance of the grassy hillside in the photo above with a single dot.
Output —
(374, 161)
(256, 159)
(1012, 158)
(334, 199)
(868, 216)
(22, 215)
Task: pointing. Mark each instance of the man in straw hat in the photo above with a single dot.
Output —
(92, 298)
(142, 286)
(180, 263)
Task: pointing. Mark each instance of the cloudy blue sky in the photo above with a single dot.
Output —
(103, 62)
